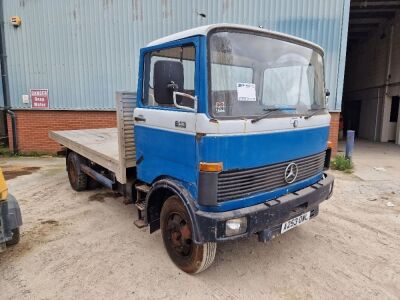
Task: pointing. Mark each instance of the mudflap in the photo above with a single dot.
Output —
(14, 213)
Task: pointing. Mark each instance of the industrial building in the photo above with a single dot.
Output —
(372, 79)
(63, 61)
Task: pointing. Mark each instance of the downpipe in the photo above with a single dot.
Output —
(14, 130)
(4, 70)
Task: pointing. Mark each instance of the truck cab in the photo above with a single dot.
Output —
(231, 133)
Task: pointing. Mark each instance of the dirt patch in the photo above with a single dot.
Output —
(41, 233)
(14, 172)
(101, 196)
(52, 222)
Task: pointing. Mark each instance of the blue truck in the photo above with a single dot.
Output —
(226, 137)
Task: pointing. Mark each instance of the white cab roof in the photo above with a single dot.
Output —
(203, 30)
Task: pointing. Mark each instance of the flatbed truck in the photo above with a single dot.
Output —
(226, 137)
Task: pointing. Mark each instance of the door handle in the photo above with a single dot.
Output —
(140, 119)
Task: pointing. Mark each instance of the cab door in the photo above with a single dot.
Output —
(164, 127)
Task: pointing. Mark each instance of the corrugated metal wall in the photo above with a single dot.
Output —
(85, 50)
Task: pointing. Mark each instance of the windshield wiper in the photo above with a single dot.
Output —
(268, 112)
(315, 111)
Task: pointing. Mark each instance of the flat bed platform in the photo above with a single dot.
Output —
(111, 148)
(98, 145)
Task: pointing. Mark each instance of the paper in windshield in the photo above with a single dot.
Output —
(246, 91)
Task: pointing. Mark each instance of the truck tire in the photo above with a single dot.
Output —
(77, 178)
(176, 229)
(15, 237)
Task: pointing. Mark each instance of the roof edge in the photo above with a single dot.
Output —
(204, 30)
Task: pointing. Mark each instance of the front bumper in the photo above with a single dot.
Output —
(266, 218)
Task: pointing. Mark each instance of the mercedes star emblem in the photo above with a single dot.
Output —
(291, 172)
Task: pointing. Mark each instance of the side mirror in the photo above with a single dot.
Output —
(327, 93)
(194, 98)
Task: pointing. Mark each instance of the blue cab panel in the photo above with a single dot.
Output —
(256, 150)
(174, 154)
(165, 153)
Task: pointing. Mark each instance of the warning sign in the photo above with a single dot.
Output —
(40, 98)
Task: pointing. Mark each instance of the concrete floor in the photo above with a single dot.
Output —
(375, 161)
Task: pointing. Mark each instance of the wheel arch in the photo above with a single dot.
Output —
(160, 191)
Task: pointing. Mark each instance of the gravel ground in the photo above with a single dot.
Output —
(85, 245)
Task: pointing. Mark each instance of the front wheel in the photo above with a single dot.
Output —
(176, 229)
(15, 237)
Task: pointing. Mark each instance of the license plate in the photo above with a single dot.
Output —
(292, 223)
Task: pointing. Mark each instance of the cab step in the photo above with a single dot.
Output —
(141, 192)
(140, 205)
(144, 188)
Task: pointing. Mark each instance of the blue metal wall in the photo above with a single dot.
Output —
(85, 50)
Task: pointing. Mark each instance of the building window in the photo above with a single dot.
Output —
(394, 111)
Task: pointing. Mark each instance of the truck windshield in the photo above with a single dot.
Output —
(252, 74)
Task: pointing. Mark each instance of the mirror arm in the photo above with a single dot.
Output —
(194, 98)
(327, 94)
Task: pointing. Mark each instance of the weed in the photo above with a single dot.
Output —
(342, 163)
(5, 152)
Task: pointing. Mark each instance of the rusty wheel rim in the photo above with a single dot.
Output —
(179, 235)
(72, 172)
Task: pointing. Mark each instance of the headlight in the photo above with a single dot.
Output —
(235, 226)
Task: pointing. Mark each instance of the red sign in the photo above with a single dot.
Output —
(40, 98)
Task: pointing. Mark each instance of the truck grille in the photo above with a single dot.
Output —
(242, 183)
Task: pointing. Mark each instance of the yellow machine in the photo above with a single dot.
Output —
(10, 216)
(3, 187)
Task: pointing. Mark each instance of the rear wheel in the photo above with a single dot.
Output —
(77, 178)
(176, 230)
(15, 237)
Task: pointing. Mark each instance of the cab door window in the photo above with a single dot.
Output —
(166, 71)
